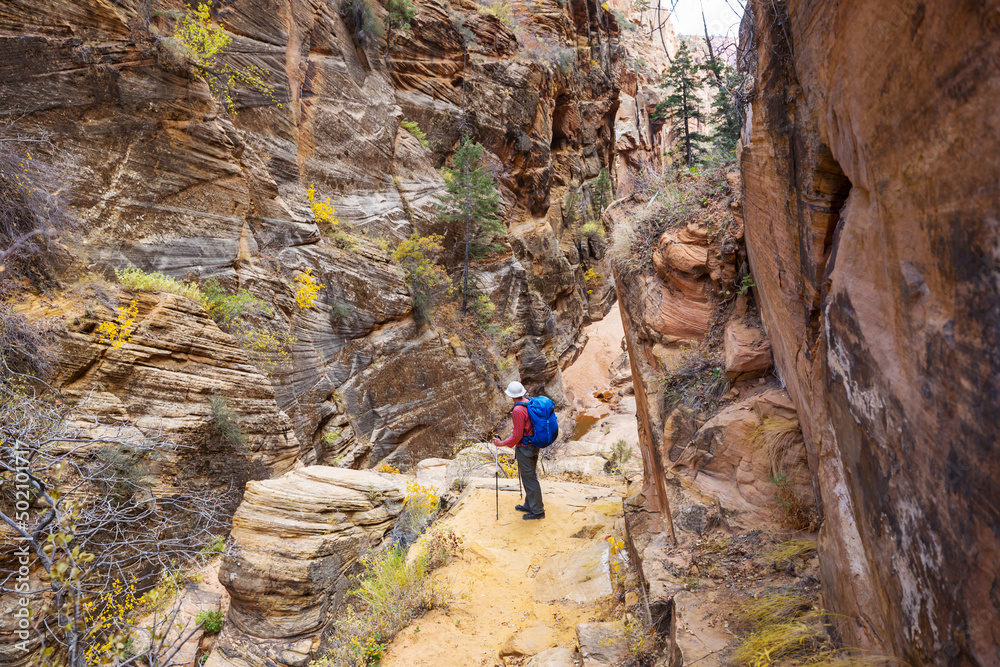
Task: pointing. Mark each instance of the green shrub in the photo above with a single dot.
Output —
(388, 594)
(341, 311)
(210, 621)
(361, 21)
(140, 281)
(224, 307)
(216, 547)
(225, 423)
(414, 129)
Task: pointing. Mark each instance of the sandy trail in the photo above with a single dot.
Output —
(590, 372)
(514, 574)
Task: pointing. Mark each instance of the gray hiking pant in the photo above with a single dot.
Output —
(527, 460)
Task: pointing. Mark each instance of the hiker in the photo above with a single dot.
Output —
(526, 455)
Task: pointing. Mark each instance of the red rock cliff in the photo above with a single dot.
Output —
(871, 191)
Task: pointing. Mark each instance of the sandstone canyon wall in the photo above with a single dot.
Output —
(870, 169)
(162, 178)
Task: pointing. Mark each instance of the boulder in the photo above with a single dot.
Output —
(529, 641)
(747, 351)
(296, 540)
(601, 644)
(554, 657)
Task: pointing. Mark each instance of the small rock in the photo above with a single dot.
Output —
(553, 657)
(600, 644)
(529, 641)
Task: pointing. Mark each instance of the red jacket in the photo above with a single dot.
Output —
(522, 425)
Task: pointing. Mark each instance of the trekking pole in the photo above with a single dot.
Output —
(496, 484)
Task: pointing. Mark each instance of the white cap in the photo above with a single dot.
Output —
(515, 390)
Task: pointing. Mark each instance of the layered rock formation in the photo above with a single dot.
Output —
(162, 178)
(164, 380)
(296, 540)
(870, 194)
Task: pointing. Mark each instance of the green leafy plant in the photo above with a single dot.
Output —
(140, 281)
(216, 547)
(224, 307)
(746, 285)
(414, 129)
(225, 423)
(210, 621)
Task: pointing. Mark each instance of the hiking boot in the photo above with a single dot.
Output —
(521, 508)
(529, 516)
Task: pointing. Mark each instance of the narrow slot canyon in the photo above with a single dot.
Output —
(275, 276)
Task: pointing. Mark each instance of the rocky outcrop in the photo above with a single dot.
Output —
(870, 195)
(161, 177)
(296, 541)
(164, 380)
(735, 456)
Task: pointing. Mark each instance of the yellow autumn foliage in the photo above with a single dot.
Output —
(119, 332)
(308, 289)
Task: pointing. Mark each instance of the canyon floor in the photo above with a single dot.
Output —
(519, 587)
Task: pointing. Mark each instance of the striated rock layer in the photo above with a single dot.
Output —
(296, 541)
(870, 170)
(161, 177)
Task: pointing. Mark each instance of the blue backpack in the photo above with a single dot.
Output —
(544, 425)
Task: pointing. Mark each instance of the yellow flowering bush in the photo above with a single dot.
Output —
(422, 274)
(387, 467)
(323, 211)
(508, 467)
(418, 495)
(119, 332)
(204, 41)
(308, 289)
(109, 620)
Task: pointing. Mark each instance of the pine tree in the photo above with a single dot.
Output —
(727, 83)
(472, 199)
(399, 15)
(683, 106)
(602, 192)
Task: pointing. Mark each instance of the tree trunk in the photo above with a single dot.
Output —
(687, 117)
(711, 52)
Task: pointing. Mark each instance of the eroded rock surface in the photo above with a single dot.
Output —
(870, 169)
(161, 177)
(296, 540)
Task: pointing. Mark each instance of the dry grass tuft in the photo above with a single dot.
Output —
(797, 637)
(777, 436)
(790, 550)
(783, 628)
(771, 609)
